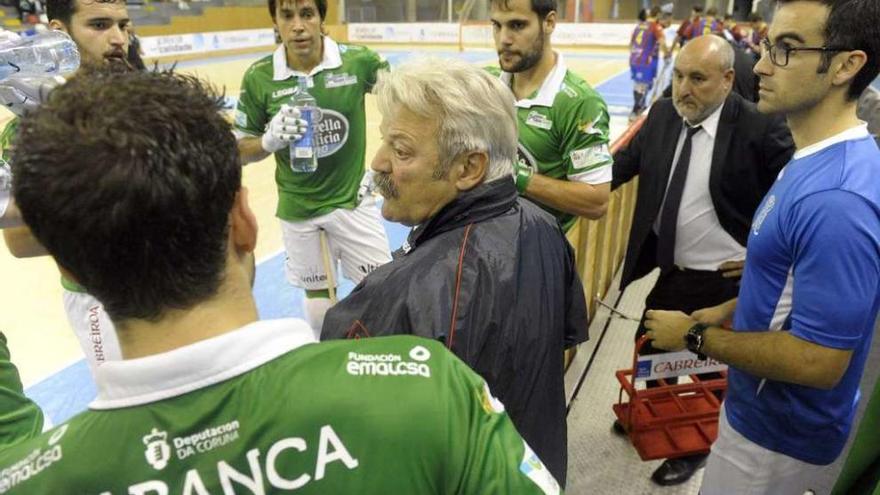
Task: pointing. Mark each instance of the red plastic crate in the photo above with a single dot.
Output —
(669, 420)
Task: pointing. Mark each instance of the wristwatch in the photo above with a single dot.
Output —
(694, 339)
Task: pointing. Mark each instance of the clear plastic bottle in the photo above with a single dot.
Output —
(47, 54)
(304, 152)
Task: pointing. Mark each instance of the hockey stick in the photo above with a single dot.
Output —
(328, 266)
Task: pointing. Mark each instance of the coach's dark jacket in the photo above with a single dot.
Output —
(750, 150)
(493, 277)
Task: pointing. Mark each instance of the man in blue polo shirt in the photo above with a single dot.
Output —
(810, 292)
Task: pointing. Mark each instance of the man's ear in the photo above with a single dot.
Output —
(550, 23)
(473, 170)
(730, 77)
(58, 26)
(850, 65)
(243, 224)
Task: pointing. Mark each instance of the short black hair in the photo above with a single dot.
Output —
(63, 10)
(853, 25)
(643, 15)
(128, 179)
(540, 7)
(697, 9)
(321, 4)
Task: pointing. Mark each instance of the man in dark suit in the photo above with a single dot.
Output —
(704, 159)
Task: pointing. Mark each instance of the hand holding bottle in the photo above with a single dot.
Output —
(286, 127)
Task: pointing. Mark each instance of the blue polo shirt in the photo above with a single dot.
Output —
(813, 268)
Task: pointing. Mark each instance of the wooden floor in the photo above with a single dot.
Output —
(32, 316)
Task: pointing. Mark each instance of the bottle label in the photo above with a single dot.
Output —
(303, 152)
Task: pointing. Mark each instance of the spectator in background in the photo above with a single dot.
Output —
(810, 291)
(683, 34)
(758, 33)
(704, 161)
(709, 24)
(484, 271)
(733, 31)
(646, 44)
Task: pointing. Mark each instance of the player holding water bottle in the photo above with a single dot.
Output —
(335, 197)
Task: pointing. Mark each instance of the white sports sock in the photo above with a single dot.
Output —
(315, 309)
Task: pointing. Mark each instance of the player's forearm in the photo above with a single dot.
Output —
(22, 244)
(250, 150)
(577, 198)
(778, 356)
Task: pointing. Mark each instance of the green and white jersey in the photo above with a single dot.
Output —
(265, 410)
(339, 84)
(20, 419)
(6, 138)
(563, 131)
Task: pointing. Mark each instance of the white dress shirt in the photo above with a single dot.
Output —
(701, 243)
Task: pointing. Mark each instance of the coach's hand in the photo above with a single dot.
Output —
(286, 127)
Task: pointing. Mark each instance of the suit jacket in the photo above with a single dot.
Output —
(750, 150)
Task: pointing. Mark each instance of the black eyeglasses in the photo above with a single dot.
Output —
(774, 51)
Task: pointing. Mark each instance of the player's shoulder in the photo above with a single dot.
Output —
(372, 362)
(395, 346)
(43, 464)
(354, 54)
(493, 69)
(576, 95)
(261, 68)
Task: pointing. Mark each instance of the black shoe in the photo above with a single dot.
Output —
(618, 428)
(678, 470)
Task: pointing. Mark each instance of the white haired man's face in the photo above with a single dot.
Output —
(407, 167)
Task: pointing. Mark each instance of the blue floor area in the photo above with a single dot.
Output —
(69, 391)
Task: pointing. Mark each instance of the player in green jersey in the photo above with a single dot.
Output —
(335, 198)
(210, 400)
(564, 160)
(9, 216)
(100, 30)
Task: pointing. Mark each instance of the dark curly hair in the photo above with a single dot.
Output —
(128, 178)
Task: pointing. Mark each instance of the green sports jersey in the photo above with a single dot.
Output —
(339, 84)
(266, 410)
(563, 131)
(6, 138)
(20, 419)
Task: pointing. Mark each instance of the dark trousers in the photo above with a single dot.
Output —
(687, 291)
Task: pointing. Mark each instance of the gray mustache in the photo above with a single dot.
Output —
(385, 185)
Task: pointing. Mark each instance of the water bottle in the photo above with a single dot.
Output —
(47, 54)
(304, 152)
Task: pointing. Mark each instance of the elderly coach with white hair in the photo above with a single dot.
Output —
(487, 272)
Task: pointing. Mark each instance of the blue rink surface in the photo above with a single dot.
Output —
(69, 391)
